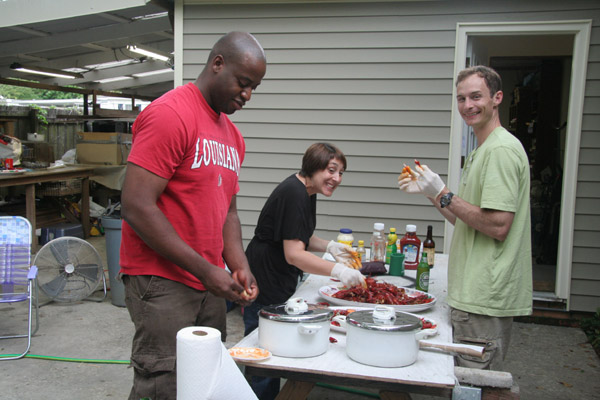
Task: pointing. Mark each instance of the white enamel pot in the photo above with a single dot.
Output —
(383, 337)
(294, 329)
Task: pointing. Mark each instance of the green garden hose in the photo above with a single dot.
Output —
(127, 362)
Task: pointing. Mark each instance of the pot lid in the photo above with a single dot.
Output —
(384, 318)
(296, 310)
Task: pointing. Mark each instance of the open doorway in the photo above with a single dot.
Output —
(479, 42)
(536, 77)
(535, 110)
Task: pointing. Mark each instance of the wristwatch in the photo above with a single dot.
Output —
(446, 199)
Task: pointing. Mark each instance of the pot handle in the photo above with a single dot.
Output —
(475, 351)
(424, 333)
(309, 329)
(384, 313)
(340, 319)
(296, 306)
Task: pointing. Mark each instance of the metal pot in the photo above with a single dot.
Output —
(382, 337)
(294, 329)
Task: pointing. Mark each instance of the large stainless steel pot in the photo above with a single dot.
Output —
(294, 329)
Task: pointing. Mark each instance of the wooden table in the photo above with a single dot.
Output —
(432, 373)
(30, 178)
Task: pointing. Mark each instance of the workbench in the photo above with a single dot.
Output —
(29, 179)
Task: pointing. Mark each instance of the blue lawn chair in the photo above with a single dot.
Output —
(17, 279)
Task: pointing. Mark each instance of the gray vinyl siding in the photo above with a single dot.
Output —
(376, 80)
(585, 274)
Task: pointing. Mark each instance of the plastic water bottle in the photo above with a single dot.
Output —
(378, 242)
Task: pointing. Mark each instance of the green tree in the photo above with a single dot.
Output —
(25, 93)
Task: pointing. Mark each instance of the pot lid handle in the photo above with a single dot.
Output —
(295, 306)
(384, 313)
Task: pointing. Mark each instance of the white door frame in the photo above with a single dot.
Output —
(581, 29)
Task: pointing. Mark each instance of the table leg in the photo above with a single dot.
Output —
(85, 206)
(295, 390)
(385, 395)
(30, 211)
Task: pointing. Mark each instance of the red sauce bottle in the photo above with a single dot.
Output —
(410, 245)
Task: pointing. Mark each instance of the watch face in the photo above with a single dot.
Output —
(446, 199)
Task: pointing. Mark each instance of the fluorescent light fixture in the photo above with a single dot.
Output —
(57, 73)
(146, 51)
(115, 79)
(76, 70)
(111, 64)
(151, 16)
(150, 73)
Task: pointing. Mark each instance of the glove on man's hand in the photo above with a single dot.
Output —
(428, 182)
(341, 252)
(408, 183)
(348, 276)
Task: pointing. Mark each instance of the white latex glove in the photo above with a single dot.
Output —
(409, 183)
(348, 276)
(427, 183)
(341, 252)
(430, 183)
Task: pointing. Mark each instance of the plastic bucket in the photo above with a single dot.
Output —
(112, 233)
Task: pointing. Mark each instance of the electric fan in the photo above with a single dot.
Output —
(69, 269)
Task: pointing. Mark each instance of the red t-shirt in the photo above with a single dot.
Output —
(180, 138)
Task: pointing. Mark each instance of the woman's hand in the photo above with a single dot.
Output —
(348, 276)
(341, 252)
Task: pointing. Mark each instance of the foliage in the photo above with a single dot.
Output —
(25, 93)
(591, 327)
(41, 114)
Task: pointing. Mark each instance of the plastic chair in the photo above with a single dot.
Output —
(18, 281)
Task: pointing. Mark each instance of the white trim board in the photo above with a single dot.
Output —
(581, 31)
(21, 12)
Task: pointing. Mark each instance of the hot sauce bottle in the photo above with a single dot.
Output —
(429, 247)
(409, 246)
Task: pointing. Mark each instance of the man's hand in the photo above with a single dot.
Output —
(341, 252)
(407, 181)
(431, 184)
(220, 283)
(247, 280)
(427, 183)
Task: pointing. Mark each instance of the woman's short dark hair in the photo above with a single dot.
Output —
(492, 78)
(317, 157)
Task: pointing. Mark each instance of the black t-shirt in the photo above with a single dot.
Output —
(289, 213)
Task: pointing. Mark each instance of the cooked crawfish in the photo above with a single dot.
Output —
(381, 293)
(354, 262)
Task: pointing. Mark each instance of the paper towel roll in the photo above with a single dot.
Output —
(205, 370)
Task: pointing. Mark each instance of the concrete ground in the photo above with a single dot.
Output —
(547, 362)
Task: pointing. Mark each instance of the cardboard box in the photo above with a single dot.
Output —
(104, 137)
(107, 148)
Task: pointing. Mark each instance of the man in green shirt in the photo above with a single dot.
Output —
(489, 269)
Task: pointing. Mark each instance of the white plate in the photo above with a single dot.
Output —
(327, 293)
(428, 332)
(249, 354)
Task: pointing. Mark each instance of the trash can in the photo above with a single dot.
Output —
(112, 233)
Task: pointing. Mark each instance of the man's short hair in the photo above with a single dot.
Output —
(491, 77)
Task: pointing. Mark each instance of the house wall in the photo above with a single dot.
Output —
(376, 80)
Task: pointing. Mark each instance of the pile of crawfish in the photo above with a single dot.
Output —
(381, 293)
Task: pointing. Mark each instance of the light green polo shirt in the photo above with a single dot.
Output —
(488, 276)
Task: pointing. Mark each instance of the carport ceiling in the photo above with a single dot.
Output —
(86, 39)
